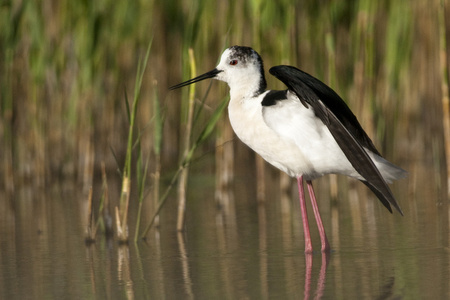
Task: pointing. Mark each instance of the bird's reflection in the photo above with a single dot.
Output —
(322, 276)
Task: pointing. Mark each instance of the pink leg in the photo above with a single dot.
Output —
(301, 194)
(323, 236)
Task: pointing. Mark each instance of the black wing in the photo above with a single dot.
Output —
(343, 125)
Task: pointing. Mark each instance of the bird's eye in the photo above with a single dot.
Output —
(233, 62)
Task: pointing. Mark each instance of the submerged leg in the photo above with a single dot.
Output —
(323, 236)
(301, 194)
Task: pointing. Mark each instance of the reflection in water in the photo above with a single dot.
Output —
(123, 270)
(335, 238)
(308, 271)
(226, 232)
(322, 275)
(90, 263)
(263, 269)
(184, 260)
(242, 250)
(387, 290)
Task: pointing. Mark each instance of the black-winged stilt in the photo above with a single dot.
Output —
(306, 131)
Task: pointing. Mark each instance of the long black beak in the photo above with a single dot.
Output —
(210, 74)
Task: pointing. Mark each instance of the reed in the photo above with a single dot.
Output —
(157, 145)
(182, 182)
(64, 66)
(91, 228)
(141, 176)
(122, 211)
(203, 136)
(105, 217)
(444, 50)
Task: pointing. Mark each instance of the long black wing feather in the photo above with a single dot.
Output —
(343, 125)
(309, 89)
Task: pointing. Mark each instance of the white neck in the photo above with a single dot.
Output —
(247, 88)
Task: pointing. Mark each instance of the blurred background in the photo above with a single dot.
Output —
(67, 68)
(70, 73)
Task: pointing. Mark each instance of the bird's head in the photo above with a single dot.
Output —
(241, 67)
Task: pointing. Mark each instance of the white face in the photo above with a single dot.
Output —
(237, 66)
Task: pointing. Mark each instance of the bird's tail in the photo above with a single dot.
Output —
(388, 170)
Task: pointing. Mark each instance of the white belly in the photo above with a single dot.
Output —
(290, 137)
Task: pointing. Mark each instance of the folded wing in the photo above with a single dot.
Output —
(342, 124)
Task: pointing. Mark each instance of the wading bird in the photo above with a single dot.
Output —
(306, 131)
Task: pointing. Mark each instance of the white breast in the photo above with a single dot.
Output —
(288, 136)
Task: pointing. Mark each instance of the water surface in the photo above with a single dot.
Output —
(248, 250)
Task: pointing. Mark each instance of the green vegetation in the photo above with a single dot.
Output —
(66, 66)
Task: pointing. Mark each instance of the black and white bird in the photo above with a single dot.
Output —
(306, 131)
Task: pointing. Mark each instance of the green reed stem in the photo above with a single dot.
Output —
(182, 183)
(206, 132)
(126, 181)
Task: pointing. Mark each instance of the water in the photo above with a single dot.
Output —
(249, 251)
